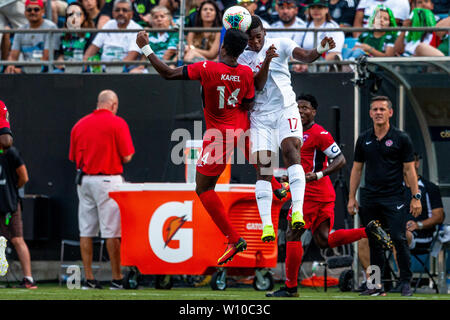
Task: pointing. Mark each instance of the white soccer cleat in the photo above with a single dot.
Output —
(3, 262)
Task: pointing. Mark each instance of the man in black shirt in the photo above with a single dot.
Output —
(387, 153)
(420, 229)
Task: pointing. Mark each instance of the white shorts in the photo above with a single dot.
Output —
(96, 210)
(267, 131)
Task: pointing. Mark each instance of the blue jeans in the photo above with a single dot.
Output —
(349, 53)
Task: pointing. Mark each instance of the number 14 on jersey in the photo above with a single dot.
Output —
(232, 99)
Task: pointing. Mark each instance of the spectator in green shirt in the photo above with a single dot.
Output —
(376, 43)
(164, 44)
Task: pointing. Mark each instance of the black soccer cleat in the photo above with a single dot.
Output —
(374, 230)
(283, 292)
(282, 192)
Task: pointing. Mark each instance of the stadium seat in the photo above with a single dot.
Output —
(75, 243)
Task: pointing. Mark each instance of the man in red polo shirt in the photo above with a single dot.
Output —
(100, 143)
(5, 130)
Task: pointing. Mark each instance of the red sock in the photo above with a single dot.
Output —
(344, 236)
(216, 210)
(294, 253)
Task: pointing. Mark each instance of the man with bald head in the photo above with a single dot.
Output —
(100, 143)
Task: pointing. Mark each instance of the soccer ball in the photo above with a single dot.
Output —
(237, 17)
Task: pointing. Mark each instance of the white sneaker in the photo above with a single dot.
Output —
(3, 262)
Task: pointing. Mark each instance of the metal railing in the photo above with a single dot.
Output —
(182, 32)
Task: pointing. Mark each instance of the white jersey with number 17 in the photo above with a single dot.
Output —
(277, 93)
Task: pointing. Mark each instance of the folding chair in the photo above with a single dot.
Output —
(75, 243)
(418, 254)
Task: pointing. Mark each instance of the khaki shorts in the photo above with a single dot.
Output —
(96, 210)
(15, 227)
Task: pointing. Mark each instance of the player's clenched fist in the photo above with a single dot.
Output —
(142, 39)
(326, 44)
(271, 53)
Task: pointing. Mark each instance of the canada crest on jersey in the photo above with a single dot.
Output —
(305, 137)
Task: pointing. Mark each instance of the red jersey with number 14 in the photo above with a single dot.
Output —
(224, 88)
(318, 146)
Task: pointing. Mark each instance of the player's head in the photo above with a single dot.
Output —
(307, 106)
(256, 34)
(380, 110)
(234, 42)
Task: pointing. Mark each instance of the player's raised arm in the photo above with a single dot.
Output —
(263, 73)
(309, 56)
(160, 66)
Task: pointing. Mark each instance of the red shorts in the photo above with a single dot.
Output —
(316, 212)
(218, 148)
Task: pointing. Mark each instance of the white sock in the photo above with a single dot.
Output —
(263, 194)
(30, 279)
(297, 184)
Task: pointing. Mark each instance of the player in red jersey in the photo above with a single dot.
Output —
(318, 208)
(228, 93)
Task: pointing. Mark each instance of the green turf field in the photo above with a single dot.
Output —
(55, 292)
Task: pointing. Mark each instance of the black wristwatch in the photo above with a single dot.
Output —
(417, 196)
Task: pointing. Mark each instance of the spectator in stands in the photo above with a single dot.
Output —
(400, 8)
(100, 143)
(204, 45)
(164, 44)
(140, 8)
(419, 43)
(265, 10)
(287, 12)
(11, 15)
(58, 9)
(318, 16)
(376, 43)
(174, 8)
(93, 10)
(251, 6)
(192, 13)
(343, 12)
(441, 8)
(117, 46)
(34, 47)
(13, 176)
(74, 44)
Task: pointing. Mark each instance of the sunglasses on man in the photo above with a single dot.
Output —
(34, 9)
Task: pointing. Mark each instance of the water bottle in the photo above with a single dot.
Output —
(192, 152)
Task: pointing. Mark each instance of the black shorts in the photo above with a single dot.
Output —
(15, 227)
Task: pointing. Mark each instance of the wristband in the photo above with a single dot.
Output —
(321, 49)
(319, 175)
(147, 50)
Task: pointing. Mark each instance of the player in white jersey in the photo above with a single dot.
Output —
(275, 120)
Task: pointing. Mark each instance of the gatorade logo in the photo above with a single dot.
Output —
(168, 239)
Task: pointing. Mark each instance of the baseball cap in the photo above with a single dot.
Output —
(39, 3)
(4, 119)
(323, 3)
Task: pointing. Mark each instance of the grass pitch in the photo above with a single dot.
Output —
(55, 292)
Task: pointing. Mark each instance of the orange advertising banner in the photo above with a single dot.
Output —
(166, 230)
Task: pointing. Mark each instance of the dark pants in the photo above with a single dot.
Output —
(392, 212)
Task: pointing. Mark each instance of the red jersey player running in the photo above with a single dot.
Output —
(318, 207)
(228, 93)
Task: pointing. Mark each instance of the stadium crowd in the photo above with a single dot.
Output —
(198, 46)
